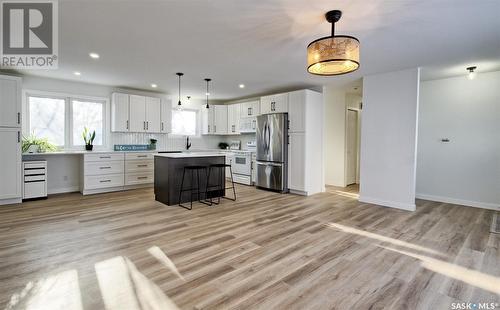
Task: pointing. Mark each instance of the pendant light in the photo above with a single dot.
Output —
(207, 93)
(471, 74)
(335, 54)
(179, 104)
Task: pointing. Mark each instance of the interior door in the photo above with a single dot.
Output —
(351, 146)
(153, 114)
(137, 113)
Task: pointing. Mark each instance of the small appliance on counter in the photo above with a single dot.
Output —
(34, 179)
(235, 145)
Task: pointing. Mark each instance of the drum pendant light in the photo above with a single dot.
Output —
(333, 55)
(207, 93)
(179, 104)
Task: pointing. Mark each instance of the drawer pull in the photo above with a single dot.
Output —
(141, 178)
(104, 167)
(142, 156)
(105, 181)
(103, 157)
(142, 165)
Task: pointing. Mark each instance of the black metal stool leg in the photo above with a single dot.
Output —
(232, 183)
(181, 191)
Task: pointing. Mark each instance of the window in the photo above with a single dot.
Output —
(87, 114)
(47, 118)
(61, 119)
(184, 122)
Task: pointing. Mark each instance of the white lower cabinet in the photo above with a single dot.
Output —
(106, 172)
(103, 181)
(10, 165)
(102, 172)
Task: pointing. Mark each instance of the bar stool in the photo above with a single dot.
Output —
(221, 182)
(192, 189)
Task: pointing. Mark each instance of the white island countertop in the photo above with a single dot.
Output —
(190, 154)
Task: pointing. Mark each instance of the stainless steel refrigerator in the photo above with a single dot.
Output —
(272, 152)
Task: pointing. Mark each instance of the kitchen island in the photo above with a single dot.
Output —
(168, 170)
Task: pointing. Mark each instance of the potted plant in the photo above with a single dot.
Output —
(152, 144)
(33, 144)
(88, 138)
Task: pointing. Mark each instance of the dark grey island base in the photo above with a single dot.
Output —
(168, 176)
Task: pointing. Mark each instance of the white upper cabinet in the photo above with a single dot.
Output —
(10, 101)
(233, 118)
(274, 104)
(119, 112)
(166, 116)
(10, 163)
(134, 113)
(296, 111)
(153, 114)
(220, 119)
(207, 121)
(250, 109)
(137, 110)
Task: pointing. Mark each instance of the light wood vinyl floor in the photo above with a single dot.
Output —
(266, 251)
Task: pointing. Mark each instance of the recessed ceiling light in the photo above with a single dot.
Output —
(154, 85)
(242, 85)
(77, 73)
(94, 55)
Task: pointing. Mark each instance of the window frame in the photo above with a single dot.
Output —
(68, 116)
(198, 123)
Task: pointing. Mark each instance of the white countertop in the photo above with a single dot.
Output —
(86, 152)
(190, 155)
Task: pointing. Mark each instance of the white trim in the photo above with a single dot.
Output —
(390, 204)
(62, 190)
(467, 203)
(10, 201)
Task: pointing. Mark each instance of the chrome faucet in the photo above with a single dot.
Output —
(188, 144)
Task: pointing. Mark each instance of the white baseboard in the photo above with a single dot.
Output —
(390, 204)
(10, 201)
(62, 190)
(468, 203)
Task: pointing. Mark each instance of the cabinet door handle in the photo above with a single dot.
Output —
(127, 125)
(103, 157)
(104, 167)
(147, 125)
(105, 181)
(18, 137)
(141, 178)
(18, 117)
(161, 126)
(139, 166)
(249, 111)
(208, 128)
(215, 128)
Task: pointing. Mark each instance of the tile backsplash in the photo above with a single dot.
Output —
(167, 142)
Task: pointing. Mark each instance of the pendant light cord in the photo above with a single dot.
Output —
(179, 74)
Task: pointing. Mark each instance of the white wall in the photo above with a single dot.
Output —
(388, 139)
(465, 170)
(334, 135)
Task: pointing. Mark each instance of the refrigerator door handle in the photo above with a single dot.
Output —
(269, 164)
(268, 137)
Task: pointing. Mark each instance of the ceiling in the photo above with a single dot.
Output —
(262, 43)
